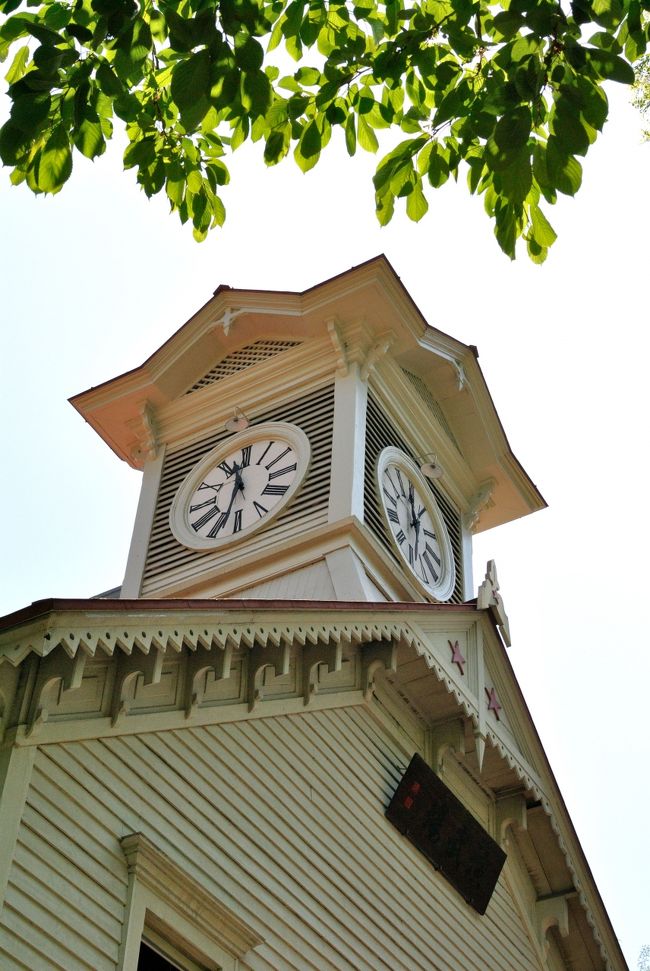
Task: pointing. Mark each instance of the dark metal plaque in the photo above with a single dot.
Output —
(436, 822)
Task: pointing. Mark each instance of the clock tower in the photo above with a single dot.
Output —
(323, 445)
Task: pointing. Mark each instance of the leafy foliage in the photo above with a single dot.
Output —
(510, 92)
(641, 97)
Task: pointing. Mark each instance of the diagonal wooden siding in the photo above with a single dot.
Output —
(280, 818)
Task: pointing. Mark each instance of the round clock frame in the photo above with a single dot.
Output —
(434, 543)
(266, 498)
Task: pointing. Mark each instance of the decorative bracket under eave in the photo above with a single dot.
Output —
(314, 655)
(276, 657)
(511, 813)
(129, 666)
(204, 659)
(375, 354)
(57, 666)
(552, 911)
(376, 656)
(479, 501)
(445, 737)
(147, 435)
(229, 316)
(338, 344)
(490, 598)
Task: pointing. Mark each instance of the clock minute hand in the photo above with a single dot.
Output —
(235, 489)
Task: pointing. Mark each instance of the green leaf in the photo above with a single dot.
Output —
(384, 208)
(512, 130)
(307, 76)
(416, 204)
(516, 179)
(12, 141)
(565, 172)
(569, 129)
(256, 92)
(55, 163)
(191, 80)
(308, 149)
(542, 229)
(18, 65)
(367, 137)
(30, 111)
(350, 135)
(249, 55)
(610, 66)
(108, 81)
(277, 145)
(89, 138)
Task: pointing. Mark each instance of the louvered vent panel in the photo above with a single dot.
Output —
(431, 404)
(168, 561)
(380, 433)
(242, 358)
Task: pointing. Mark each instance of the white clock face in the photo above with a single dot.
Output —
(240, 486)
(416, 524)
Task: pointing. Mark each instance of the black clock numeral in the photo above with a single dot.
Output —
(279, 472)
(427, 532)
(422, 565)
(433, 554)
(205, 518)
(392, 499)
(245, 456)
(411, 492)
(277, 458)
(225, 468)
(411, 552)
(392, 482)
(400, 537)
(207, 485)
(201, 505)
(274, 490)
(220, 523)
(430, 567)
(264, 452)
(260, 509)
(236, 526)
(401, 482)
(392, 515)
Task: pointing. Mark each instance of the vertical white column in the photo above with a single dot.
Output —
(142, 527)
(468, 566)
(15, 773)
(348, 446)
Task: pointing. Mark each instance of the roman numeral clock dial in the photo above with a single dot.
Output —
(240, 486)
(415, 524)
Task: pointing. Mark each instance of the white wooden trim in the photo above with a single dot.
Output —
(15, 774)
(161, 721)
(142, 527)
(348, 446)
(158, 886)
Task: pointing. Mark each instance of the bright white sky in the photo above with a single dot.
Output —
(97, 278)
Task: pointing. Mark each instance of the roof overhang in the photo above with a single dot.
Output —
(373, 309)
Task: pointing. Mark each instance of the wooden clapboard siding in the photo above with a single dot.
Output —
(281, 818)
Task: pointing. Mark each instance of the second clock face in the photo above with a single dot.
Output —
(416, 525)
(240, 486)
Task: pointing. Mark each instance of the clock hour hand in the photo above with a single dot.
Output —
(239, 482)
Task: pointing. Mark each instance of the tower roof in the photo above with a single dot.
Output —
(367, 311)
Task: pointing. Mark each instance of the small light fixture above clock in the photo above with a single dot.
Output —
(238, 422)
(430, 467)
